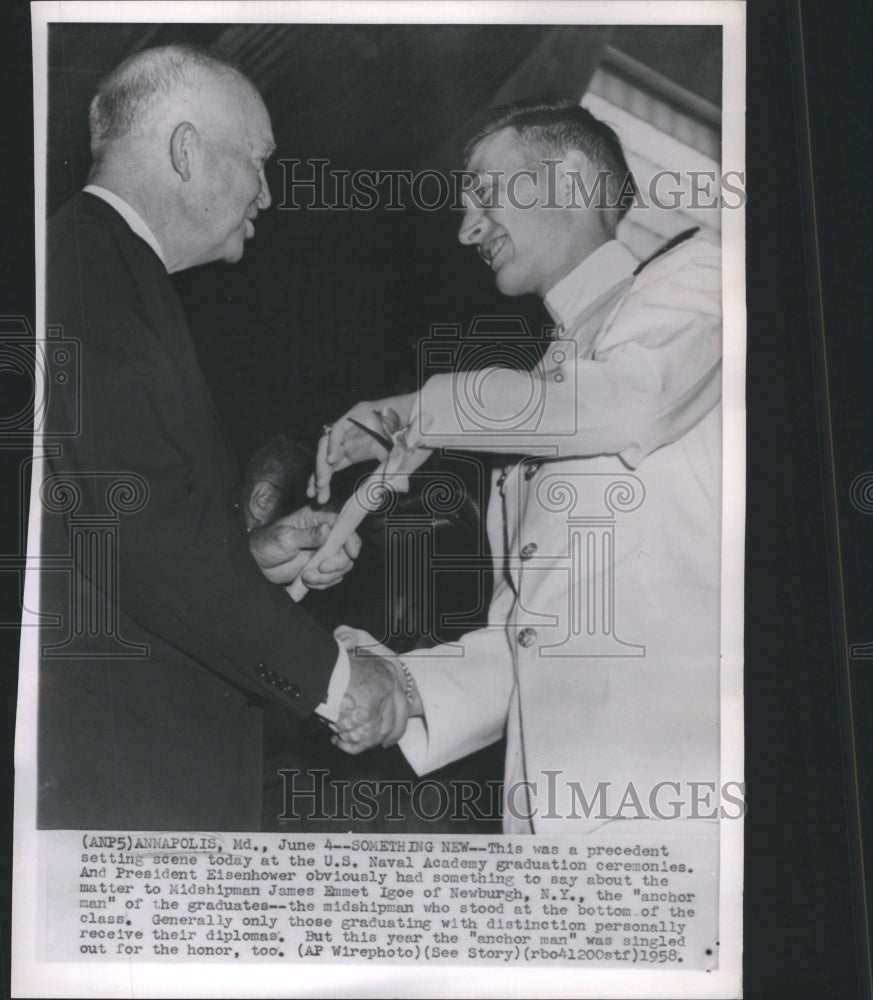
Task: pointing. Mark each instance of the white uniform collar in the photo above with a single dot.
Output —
(130, 216)
(609, 264)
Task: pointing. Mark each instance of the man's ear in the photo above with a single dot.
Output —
(262, 500)
(575, 175)
(181, 148)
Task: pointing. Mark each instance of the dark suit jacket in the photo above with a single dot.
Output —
(170, 739)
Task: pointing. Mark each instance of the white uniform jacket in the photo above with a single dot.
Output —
(602, 651)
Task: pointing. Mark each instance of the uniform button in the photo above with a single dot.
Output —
(262, 670)
(528, 550)
(232, 508)
(531, 469)
(526, 637)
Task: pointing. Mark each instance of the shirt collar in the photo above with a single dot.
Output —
(607, 266)
(130, 216)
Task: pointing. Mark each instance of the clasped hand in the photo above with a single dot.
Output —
(282, 549)
(375, 708)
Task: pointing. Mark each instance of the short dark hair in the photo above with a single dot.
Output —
(286, 464)
(551, 127)
(130, 91)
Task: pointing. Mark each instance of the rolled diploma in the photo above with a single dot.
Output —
(354, 510)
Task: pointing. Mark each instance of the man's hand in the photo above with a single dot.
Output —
(283, 548)
(354, 737)
(374, 709)
(344, 444)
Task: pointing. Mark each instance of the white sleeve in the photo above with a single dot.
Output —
(656, 375)
(466, 697)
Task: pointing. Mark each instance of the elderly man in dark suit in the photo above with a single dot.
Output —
(151, 719)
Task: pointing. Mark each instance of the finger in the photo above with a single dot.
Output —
(305, 517)
(289, 543)
(319, 582)
(353, 545)
(315, 518)
(335, 441)
(310, 487)
(356, 735)
(337, 564)
(327, 573)
(287, 571)
(397, 731)
(322, 473)
(353, 722)
(354, 636)
(347, 638)
(311, 537)
(363, 736)
(282, 541)
(401, 719)
(350, 748)
(387, 719)
(330, 458)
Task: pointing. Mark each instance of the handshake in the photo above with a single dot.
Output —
(288, 545)
(380, 698)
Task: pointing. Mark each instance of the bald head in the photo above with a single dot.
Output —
(183, 137)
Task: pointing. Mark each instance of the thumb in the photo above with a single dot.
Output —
(311, 537)
(348, 637)
(352, 638)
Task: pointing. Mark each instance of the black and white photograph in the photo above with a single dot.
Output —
(383, 628)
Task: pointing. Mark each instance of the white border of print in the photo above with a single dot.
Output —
(32, 977)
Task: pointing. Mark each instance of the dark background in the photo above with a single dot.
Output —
(328, 307)
(352, 319)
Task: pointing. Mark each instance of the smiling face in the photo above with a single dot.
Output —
(526, 244)
(232, 188)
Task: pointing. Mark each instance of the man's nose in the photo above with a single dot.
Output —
(264, 199)
(472, 226)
